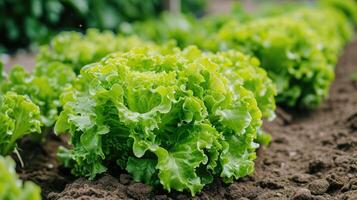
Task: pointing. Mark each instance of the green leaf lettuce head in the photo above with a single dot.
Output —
(290, 51)
(43, 86)
(333, 35)
(11, 187)
(77, 50)
(163, 116)
(18, 117)
(240, 69)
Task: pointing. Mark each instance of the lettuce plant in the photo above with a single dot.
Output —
(11, 187)
(240, 69)
(166, 118)
(18, 117)
(297, 52)
(177, 27)
(77, 50)
(56, 66)
(183, 30)
(290, 51)
(43, 86)
(333, 35)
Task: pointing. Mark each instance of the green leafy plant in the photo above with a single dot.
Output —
(298, 53)
(240, 69)
(169, 26)
(11, 187)
(77, 50)
(183, 29)
(333, 35)
(43, 86)
(18, 117)
(166, 117)
(291, 53)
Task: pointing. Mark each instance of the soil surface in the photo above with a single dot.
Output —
(313, 156)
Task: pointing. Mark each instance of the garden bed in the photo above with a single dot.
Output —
(313, 155)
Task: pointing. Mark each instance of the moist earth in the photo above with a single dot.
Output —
(313, 156)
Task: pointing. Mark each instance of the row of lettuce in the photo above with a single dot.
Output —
(34, 22)
(170, 113)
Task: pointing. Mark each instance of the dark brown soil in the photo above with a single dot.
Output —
(313, 156)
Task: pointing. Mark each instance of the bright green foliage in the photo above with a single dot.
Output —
(346, 7)
(241, 69)
(44, 87)
(298, 53)
(277, 46)
(11, 187)
(184, 30)
(77, 50)
(290, 52)
(180, 28)
(167, 117)
(18, 117)
(334, 34)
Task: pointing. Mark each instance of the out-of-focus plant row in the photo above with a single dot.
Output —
(297, 44)
(176, 101)
(35, 21)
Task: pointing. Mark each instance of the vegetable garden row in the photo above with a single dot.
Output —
(175, 101)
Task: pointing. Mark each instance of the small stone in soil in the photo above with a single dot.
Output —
(139, 191)
(302, 194)
(125, 179)
(271, 184)
(352, 185)
(318, 186)
(335, 182)
(301, 178)
(237, 191)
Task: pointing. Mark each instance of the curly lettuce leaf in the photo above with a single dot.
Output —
(243, 70)
(18, 117)
(142, 169)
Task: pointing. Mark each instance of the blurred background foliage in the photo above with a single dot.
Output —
(33, 22)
